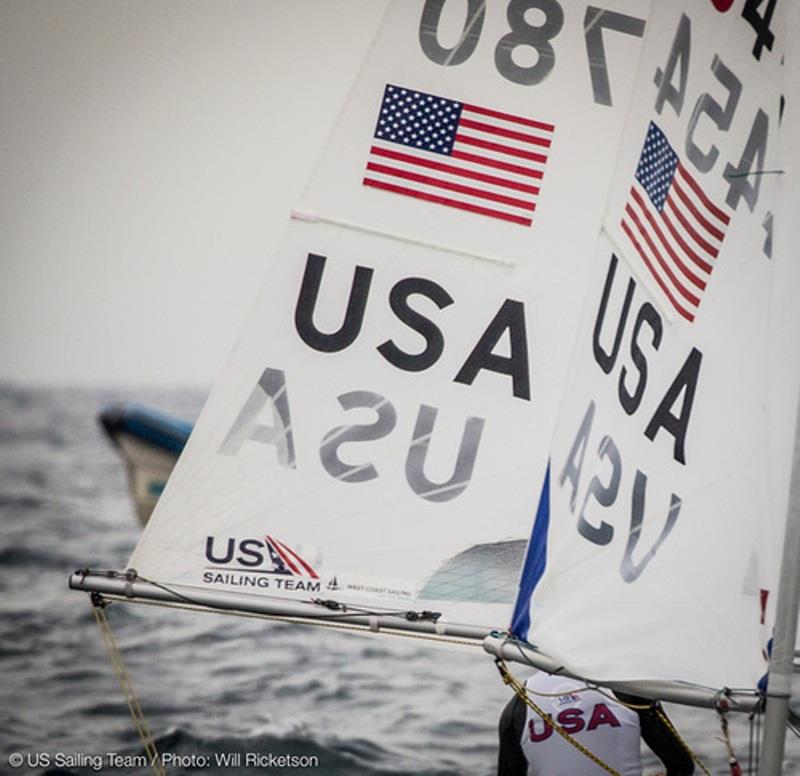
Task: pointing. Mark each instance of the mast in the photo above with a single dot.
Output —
(781, 662)
(788, 595)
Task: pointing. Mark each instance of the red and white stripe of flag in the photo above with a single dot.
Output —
(679, 246)
(293, 561)
(495, 168)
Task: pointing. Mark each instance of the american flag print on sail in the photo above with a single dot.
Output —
(286, 561)
(458, 155)
(675, 228)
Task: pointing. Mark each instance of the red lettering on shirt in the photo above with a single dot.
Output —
(571, 720)
(547, 730)
(602, 715)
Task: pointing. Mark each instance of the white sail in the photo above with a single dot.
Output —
(379, 433)
(524, 272)
(670, 462)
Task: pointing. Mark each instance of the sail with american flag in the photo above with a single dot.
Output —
(659, 505)
(379, 424)
(459, 155)
(518, 378)
(675, 228)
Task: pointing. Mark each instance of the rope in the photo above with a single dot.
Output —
(140, 722)
(321, 623)
(733, 762)
(521, 691)
(128, 692)
(523, 694)
(754, 751)
(666, 720)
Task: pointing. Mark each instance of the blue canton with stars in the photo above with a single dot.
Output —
(657, 166)
(279, 567)
(418, 120)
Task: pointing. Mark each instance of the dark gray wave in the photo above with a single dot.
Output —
(209, 685)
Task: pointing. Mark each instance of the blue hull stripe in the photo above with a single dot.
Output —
(535, 562)
(155, 428)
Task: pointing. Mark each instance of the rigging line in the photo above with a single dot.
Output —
(298, 620)
(515, 642)
(792, 724)
(135, 577)
(589, 686)
(758, 740)
(754, 172)
(733, 761)
(522, 693)
(126, 685)
(752, 755)
(518, 644)
(666, 720)
(612, 697)
(346, 609)
(180, 595)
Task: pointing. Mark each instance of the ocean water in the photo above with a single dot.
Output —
(216, 690)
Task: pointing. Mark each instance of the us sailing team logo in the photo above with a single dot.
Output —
(257, 562)
(287, 561)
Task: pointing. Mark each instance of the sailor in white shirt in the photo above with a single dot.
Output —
(606, 727)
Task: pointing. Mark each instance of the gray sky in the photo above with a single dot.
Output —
(150, 153)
